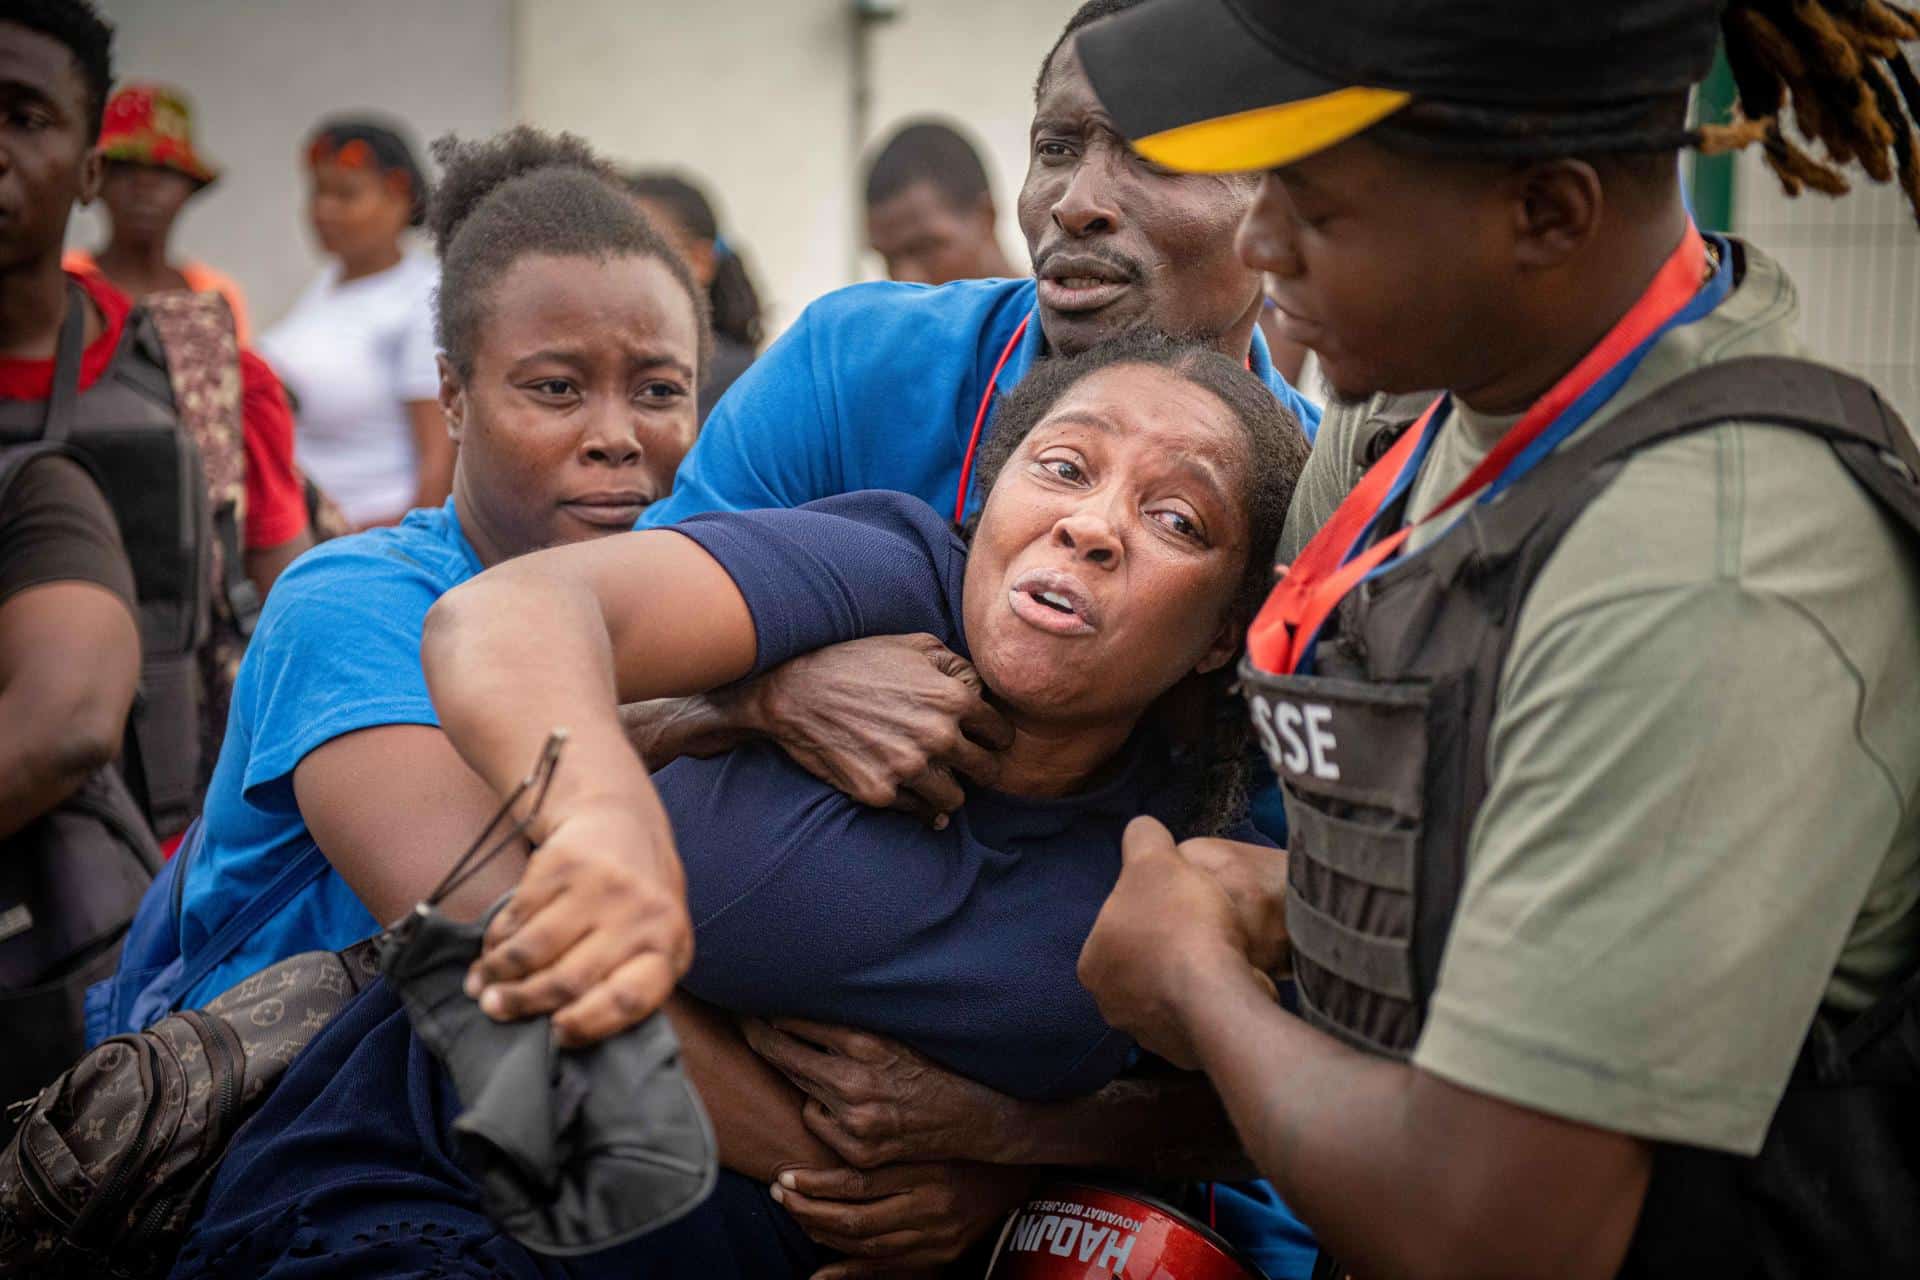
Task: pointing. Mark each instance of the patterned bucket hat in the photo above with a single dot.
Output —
(152, 124)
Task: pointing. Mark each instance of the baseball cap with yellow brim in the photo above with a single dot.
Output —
(1215, 86)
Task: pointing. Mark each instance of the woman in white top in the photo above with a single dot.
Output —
(357, 349)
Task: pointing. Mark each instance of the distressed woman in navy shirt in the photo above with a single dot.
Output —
(1131, 494)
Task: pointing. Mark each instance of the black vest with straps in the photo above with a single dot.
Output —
(126, 428)
(1382, 756)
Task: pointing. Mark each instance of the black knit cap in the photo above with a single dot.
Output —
(1219, 85)
(389, 147)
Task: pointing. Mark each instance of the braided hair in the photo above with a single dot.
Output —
(1206, 717)
(1839, 64)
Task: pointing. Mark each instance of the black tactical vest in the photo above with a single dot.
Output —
(126, 428)
(1382, 756)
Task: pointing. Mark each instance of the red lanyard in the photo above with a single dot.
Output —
(1313, 585)
(980, 420)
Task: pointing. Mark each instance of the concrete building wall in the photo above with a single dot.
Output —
(754, 96)
(1856, 261)
(262, 73)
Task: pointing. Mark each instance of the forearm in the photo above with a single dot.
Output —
(755, 1110)
(509, 658)
(1397, 1173)
(1170, 1124)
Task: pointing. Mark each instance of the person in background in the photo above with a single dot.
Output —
(683, 214)
(930, 210)
(153, 170)
(58, 74)
(69, 664)
(357, 348)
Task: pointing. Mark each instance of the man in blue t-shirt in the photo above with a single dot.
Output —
(889, 386)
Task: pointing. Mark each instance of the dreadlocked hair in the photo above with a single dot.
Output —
(526, 192)
(1839, 65)
(1841, 68)
(1204, 716)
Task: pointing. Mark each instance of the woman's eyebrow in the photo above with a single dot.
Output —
(1081, 418)
(551, 355)
(1201, 470)
(660, 360)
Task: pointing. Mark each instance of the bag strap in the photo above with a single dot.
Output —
(301, 870)
(243, 598)
(66, 367)
(1864, 431)
(195, 342)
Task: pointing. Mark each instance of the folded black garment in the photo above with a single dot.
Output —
(575, 1150)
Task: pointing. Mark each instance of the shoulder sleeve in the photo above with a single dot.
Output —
(303, 684)
(56, 527)
(276, 500)
(769, 442)
(1681, 829)
(863, 564)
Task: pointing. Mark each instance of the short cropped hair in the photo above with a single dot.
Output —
(88, 37)
(932, 152)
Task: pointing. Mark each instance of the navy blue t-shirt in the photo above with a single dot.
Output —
(962, 943)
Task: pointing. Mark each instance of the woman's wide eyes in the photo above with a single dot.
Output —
(1063, 469)
(1179, 522)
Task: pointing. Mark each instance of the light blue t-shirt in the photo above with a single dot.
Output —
(337, 649)
(876, 386)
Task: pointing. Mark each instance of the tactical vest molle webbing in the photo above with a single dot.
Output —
(1382, 755)
(162, 430)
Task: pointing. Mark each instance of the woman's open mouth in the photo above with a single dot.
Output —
(1053, 601)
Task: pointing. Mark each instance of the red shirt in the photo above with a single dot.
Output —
(276, 498)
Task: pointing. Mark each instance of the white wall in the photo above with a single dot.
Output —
(753, 96)
(262, 73)
(1856, 261)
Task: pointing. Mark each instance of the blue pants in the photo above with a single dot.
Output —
(346, 1172)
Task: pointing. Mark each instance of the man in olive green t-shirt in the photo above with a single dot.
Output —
(1700, 824)
(1697, 828)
